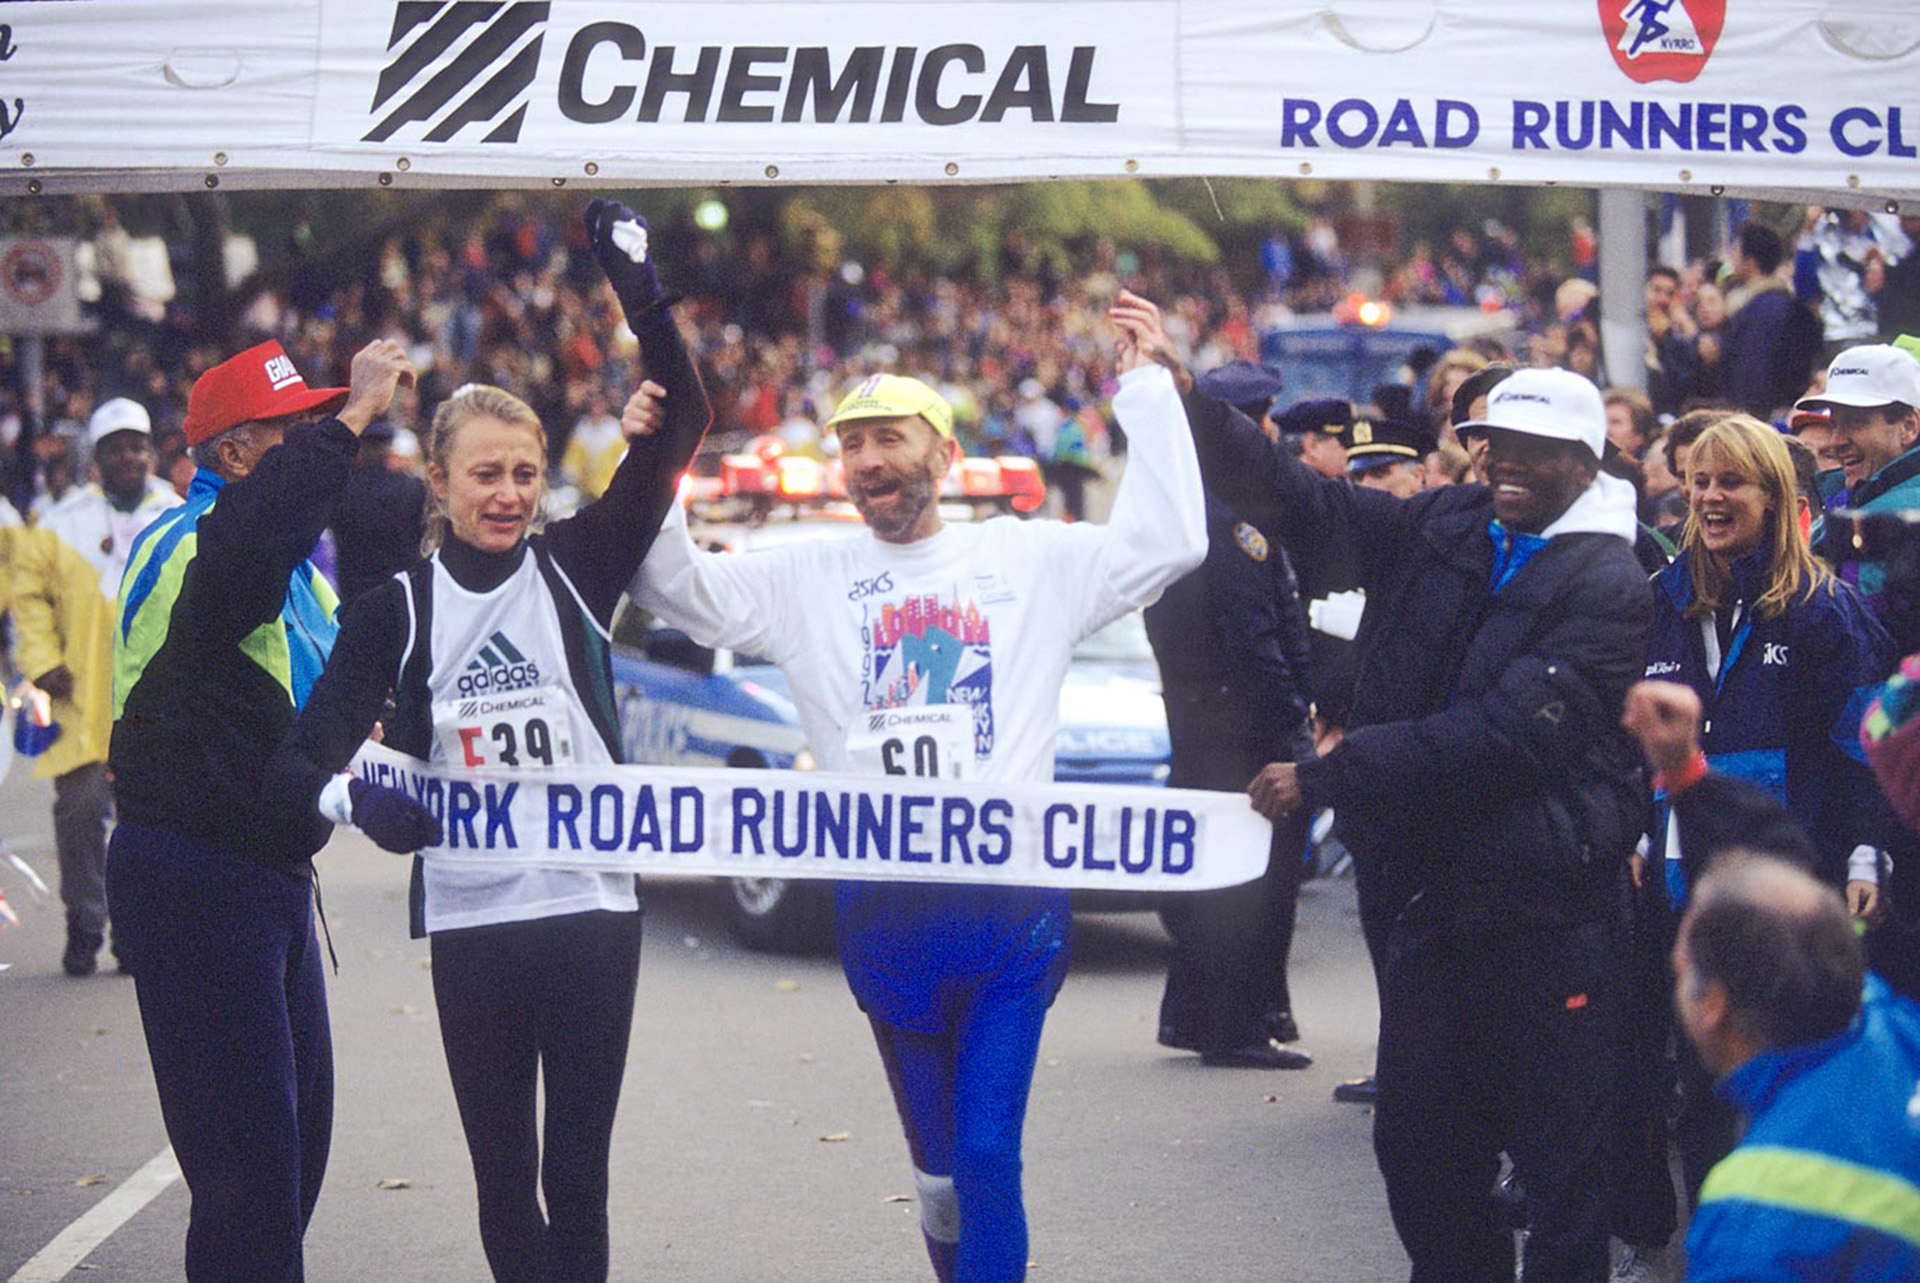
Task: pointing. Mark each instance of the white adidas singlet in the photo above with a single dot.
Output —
(503, 698)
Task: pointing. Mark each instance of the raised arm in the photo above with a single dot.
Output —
(602, 546)
(265, 523)
(1260, 479)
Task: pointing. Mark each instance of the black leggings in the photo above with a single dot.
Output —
(552, 997)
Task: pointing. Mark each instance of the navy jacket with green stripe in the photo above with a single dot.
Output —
(223, 628)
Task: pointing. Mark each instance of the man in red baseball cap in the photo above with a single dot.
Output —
(223, 627)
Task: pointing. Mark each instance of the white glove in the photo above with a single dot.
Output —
(1338, 614)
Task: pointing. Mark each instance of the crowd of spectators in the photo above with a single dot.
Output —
(505, 296)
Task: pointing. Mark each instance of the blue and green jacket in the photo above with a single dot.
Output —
(223, 628)
(1826, 1184)
(1894, 488)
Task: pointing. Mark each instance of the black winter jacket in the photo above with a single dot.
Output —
(1484, 745)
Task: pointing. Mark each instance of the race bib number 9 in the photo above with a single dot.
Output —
(931, 741)
(516, 729)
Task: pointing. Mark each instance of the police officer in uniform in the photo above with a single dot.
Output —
(1231, 640)
(1387, 454)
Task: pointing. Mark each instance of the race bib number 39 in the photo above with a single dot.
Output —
(931, 741)
(524, 728)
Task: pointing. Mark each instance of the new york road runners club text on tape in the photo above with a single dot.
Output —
(787, 824)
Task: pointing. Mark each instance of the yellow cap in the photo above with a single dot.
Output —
(889, 396)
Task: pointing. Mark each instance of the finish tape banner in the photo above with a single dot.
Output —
(1792, 97)
(803, 824)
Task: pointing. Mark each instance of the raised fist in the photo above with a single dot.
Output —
(619, 238)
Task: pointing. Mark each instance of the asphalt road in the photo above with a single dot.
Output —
(756, 1138)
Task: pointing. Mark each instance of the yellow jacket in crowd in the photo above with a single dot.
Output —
(65, 580)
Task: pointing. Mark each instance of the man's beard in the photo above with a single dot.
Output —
(916, 493)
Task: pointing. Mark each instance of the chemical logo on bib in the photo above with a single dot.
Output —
(526, 729)
(498, 667)
(922, 651)
(928, 741)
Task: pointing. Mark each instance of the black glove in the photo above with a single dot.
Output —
(619, 238)
(395, 821)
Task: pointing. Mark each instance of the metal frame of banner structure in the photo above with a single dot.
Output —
(728, 822)
(1787, 100)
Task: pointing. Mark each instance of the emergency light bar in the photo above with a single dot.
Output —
(765, 476)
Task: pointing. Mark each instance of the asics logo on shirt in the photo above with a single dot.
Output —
(498, 667)
(1775, 653)
(865, 588)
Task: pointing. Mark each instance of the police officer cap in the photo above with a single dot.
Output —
(1247, 386)
(1373, 442)
(1325, 416)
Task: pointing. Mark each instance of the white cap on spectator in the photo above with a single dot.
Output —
(1873, 374)
(1558, 404)
(118, 415)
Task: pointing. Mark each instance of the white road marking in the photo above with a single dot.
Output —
(76, 1242)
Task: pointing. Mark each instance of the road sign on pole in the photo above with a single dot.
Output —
(38, 286)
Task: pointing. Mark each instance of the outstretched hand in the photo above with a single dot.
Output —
(620, 246)
(1143, 338)
(644, 412)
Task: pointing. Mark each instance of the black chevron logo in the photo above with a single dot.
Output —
(455, 63)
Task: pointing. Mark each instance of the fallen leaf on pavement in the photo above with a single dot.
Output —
(91, 1180)
(393, 1182)
(837, 1137)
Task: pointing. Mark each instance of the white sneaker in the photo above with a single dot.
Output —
(1634, 1265)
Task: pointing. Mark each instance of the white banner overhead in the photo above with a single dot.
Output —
(1801, 99)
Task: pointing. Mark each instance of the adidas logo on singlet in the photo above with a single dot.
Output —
(498, 667)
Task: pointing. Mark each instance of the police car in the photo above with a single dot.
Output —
(684, 704)
(1346, 353)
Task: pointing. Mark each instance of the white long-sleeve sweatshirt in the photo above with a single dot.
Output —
(983, 615)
